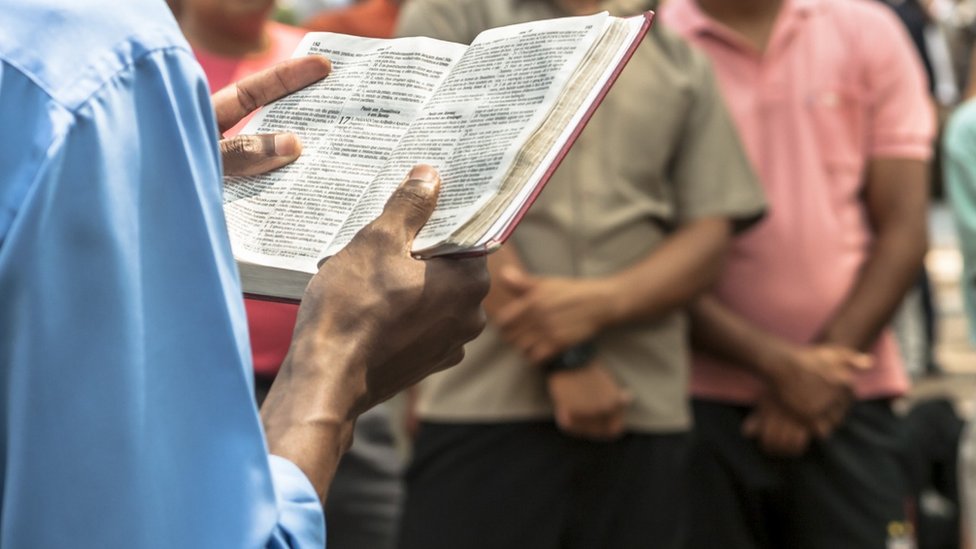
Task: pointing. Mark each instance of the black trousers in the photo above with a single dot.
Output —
(847, 492)
(527, 485)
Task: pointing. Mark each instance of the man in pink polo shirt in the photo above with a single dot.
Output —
(796, 367)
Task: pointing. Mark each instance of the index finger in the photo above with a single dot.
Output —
(240, 99)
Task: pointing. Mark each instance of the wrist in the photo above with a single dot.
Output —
(572, 359)
(773, 360)
(834, 335)
(303, 424)
(607, 303)
(315, 447)
(329, 373)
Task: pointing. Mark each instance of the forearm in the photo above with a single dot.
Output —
(309, 420)
(671, 276)
(889, 272)
(897, 210)
(543, 315)
(718, 331)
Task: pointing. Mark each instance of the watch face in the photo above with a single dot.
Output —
(572, 358)
(576, 355)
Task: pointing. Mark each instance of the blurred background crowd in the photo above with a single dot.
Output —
(715, 328)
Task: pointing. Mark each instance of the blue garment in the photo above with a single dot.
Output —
(126, 415)
(959, 163)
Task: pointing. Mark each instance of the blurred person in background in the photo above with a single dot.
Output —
(233, 39)
(939, 31)
(300, 10)
(371, 18)
(959, 157)
(959, 150)
(926, 23)
(796, 444)
(566, 425)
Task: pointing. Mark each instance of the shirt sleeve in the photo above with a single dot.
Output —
(128, 418)
(711, 173)
(901, 111)
(300, 524)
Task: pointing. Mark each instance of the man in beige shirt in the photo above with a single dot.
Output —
(565, 425)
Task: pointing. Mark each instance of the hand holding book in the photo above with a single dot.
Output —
(374, 321)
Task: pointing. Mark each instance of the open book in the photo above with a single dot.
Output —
(495, 118)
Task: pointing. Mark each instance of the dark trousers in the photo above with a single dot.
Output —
(527, 485)
(846, 492)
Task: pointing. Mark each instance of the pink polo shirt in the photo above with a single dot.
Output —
(269, 324)
(839, 84)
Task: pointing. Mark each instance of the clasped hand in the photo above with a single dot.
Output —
(543, 316)
(807, 398)
(547, 315)
(588, 402)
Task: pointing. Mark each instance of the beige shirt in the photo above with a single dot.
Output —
(658, 152)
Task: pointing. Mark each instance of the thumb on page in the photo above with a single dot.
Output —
(413, 202)
(257, 154)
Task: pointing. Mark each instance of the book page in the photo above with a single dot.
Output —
(541, 151)
(497, 94)
(349, 125)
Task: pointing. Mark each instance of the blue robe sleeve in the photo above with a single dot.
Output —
(127, 416)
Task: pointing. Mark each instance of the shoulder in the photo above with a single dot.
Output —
(866, 16)
(675, 49)
(872, 41)
(676, 63)
(70, 49)
(459, 8)
(66, 65)
(869, 9)
(455, 20)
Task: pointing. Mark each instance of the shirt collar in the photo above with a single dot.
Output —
(687, 16)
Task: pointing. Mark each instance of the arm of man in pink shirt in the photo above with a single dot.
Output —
(814, 382)
(896, 196)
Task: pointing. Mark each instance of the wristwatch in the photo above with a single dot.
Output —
(573, 358)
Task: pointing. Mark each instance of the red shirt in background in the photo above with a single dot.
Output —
(370, 18)
(270, 324)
